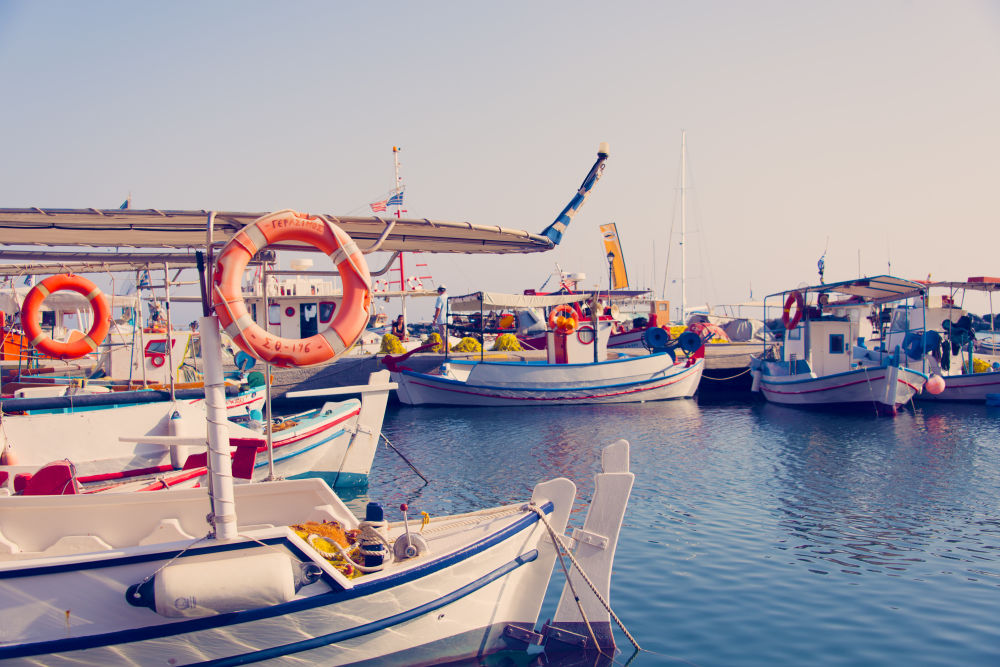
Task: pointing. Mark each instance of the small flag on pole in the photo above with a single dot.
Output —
(378, 206)
(127, 204)
(395, 200)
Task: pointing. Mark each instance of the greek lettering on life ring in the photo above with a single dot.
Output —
(565, 323)
(789, 319)
(351, 318)
(80, 347)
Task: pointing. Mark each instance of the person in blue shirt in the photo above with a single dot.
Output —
(441, 312)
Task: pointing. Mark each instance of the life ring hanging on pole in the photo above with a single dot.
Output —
(80, 347)
(287, 225)
(789, 319)
(564, 323)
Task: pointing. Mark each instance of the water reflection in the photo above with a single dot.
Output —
(857, 495)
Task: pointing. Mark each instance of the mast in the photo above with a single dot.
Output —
(683, 223)
(399, 207)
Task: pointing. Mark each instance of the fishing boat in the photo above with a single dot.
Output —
(101, 579)
(285, 570)
(124, 355)
(937, 333)
(575, 370)
(824, 361)
(120, 447)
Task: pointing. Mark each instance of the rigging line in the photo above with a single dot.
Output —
(670, 237)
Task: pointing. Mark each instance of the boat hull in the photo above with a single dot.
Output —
(627, 380)
(971, 388)
(454, 601)
(884, 388)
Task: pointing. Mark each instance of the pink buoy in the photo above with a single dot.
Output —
(935, 384)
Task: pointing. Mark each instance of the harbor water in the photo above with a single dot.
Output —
(756, 534)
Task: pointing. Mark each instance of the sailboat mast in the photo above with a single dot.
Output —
(683, 223)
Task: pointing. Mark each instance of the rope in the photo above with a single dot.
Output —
(369, 534)
(561, 547)
(732, 377)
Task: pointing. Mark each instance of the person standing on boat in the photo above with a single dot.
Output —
(441, 313)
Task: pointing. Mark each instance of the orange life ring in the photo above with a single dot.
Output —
(157, 360)
(563, 323)
(791, 321)
(80, 347)
(227, 296)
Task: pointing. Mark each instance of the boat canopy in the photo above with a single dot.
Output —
(154, 228)
(479, 301)
(983, 285)
(875, 289)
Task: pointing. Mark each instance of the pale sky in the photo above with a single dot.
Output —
(870, 130)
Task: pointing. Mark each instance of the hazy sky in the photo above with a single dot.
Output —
(870, 130)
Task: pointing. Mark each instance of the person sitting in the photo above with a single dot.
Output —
(399, 328)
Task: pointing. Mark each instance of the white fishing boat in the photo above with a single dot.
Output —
(62, 310)
(576, 369)
(823, 360)
(103, 448)
(131, 578)
(937, 333)
(110, 578)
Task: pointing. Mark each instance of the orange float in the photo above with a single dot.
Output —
(563, 318)
(227, 296)
(81, 346)
(792, 320)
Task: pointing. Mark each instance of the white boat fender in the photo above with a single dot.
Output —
(235, 583)
(408, 545)
(179, 426)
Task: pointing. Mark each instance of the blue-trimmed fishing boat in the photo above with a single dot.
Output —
(825, 359)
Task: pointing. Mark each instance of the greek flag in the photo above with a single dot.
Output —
(395, 200)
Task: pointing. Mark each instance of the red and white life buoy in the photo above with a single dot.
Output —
(563, 318)
(789, 319)
(352, 316)
(157, 360)
(77, 348)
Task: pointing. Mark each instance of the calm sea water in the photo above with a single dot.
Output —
(756, 534)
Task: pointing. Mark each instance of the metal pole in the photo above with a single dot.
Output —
(220, 462)
(683, 224)
(267, 387)
(170, 329)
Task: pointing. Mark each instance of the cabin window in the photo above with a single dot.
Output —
(308, 311)
(326, 309)
(836, 343)
(274, 314)
(157, 346)
(794, 334)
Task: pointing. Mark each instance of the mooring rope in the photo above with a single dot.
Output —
(561, 547)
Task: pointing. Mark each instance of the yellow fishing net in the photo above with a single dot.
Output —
(507, 343)
(467, 344)
(326, 534)
(391, 345)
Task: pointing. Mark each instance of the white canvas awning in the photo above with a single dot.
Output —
(876, 289)
(188, 229)
(478, 301)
